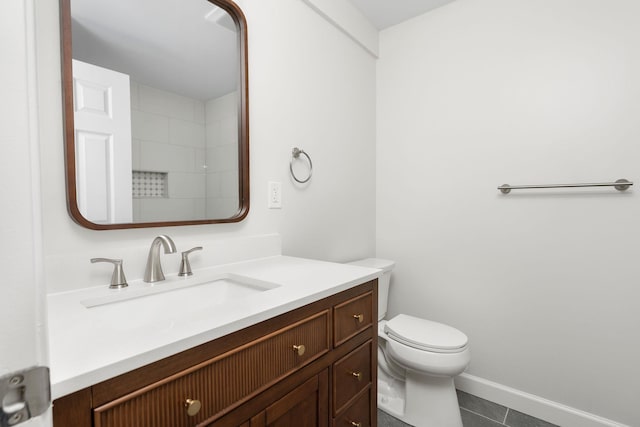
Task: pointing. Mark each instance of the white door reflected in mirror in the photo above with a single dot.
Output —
(102, 114)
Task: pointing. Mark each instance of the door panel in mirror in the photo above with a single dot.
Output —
(188, 161)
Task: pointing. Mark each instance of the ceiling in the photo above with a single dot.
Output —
(386, 13)
(153, 41)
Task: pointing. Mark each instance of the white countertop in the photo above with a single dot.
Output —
(89, 345)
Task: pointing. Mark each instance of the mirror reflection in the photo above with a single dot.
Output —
(157, 118)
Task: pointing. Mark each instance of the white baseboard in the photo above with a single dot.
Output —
(553, 412)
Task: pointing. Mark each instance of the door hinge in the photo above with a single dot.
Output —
(24, 395)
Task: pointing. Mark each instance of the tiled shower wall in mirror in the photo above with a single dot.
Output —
(192, 145)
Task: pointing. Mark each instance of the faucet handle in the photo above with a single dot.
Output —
(185, 266)
(117, 278)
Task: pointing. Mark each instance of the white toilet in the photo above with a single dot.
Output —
(417, 360)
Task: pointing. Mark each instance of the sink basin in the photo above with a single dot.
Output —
(192, 292)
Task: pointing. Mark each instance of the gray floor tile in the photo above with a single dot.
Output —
(518, 419)
(481, 406)
(469, 419)
(386, 420)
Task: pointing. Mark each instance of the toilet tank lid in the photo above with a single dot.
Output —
(381, 264)
(425, 334)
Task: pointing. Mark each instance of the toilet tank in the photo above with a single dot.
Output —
(383, 281)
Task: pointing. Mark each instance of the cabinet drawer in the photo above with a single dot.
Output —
(352, 317)
(358, 414)
(351, 374)
(222, 383)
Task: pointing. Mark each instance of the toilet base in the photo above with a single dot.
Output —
(391, 394)
(421, 400)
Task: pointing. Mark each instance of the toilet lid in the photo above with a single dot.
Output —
(425, 334)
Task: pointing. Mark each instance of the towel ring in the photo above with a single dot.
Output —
(294, 155)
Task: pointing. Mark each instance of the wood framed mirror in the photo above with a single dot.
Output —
(156, 119)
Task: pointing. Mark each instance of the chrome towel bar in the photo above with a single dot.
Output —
(620, 185)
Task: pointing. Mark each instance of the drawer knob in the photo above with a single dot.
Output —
(359, 317)
(356, 424)
(193, 407)
(300, 349)
(357, 375)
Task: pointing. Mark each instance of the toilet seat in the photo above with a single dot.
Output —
(425, 335)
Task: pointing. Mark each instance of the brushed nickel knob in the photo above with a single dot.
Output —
(359, 317)
(356, 424)
(300, 349)
(193, 407)
(357, 375)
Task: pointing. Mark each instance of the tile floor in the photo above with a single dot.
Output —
(478, 412)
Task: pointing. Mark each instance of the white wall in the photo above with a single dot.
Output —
(310, 86)
(545, 283)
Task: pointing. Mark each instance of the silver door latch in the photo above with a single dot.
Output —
(24, 395)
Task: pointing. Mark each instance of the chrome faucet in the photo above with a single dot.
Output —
(153, 272)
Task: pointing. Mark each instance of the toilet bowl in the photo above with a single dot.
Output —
(417, 361)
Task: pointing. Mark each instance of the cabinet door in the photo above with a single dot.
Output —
(305, 406)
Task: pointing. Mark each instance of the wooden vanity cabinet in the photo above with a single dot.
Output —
(311, 367)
